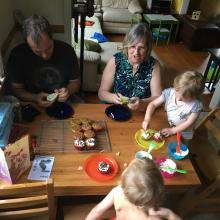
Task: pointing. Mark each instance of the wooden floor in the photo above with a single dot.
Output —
(176, 58)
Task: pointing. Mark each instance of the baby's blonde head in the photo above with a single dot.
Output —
(190, 84)
(142, 183)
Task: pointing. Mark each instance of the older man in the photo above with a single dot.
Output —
(41, 65)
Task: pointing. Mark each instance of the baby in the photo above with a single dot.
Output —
(138, 195)
(182, 104)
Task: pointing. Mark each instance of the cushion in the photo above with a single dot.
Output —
(134, 7)
(92, 46)
(116, 15)
(99, 37)
(89, 45)
(116, 3)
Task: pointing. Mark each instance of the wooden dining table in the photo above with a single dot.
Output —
(69, 180)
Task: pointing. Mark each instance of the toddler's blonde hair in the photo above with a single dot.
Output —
(190, 84)
(142, 183)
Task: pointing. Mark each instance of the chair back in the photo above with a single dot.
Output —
(204, 152)
(206, 144)
(27, 200)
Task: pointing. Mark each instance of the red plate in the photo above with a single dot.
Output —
(91, 167)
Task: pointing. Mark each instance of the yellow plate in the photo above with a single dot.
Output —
(145, 143)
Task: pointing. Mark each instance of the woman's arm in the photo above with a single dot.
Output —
(107, 84)
(102, 207)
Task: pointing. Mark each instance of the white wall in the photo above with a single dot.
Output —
(54, 10)
(6, 21)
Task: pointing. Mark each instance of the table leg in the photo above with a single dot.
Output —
(176, 32)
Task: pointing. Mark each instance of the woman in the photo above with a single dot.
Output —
(133, 72)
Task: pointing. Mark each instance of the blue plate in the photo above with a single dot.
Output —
(60, 110)
(118, 112)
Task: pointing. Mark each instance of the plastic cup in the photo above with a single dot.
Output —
(143, 154)
(172, 150)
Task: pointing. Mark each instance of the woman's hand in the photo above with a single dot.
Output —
(116, 98)
(167, 131)
(134, 103)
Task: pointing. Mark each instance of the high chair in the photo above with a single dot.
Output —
(204, 152)
(28, 200)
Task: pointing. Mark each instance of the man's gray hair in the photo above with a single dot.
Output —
(35, 25)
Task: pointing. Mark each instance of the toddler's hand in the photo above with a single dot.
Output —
(145, 124)
(167, 132)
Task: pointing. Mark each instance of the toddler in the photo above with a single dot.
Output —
(182, 104)
(137, 196)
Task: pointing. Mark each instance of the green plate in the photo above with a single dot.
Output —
(145, 143)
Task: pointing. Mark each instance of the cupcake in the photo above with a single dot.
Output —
(104, 167)
(79, 144)
(76, 121)
(146, 135)
(76, 128)
(78, 135)
(90, 143)
(89, 134)
(157, 137)
(97, 126)
(86, 127)
(86, 121)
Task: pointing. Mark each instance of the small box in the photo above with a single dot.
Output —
(14, 160)
(196, 15)
(5, 113)
(6, 131)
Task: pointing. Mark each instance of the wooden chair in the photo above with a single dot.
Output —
(27, 200)
(206, 160)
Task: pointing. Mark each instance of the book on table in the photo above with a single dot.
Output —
(41, 168)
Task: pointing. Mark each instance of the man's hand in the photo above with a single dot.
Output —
(42, 100)
(63, 94)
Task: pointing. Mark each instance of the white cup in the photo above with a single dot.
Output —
(143, 154)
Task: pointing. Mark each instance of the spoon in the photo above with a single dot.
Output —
(176, 170)
(152, 145)
(178, 135)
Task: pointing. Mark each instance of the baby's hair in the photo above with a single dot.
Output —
(142, 183)
(190, 84)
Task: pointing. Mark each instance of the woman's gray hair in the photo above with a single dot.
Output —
(35, 25)
(138, 32)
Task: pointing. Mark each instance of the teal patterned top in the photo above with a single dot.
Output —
(132, 84)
